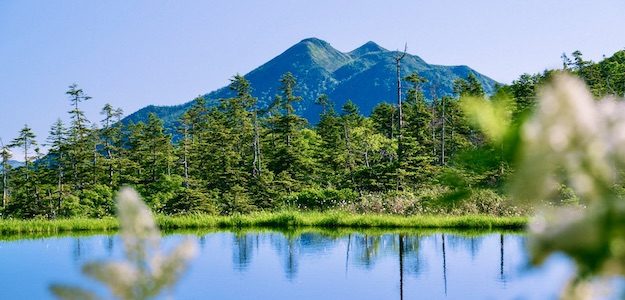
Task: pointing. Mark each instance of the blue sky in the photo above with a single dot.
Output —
(135, 53)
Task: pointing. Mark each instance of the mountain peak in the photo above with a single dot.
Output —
(314, 41)
(313, 52)
(367, 47)
(366, 75)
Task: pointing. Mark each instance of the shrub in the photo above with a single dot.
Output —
(320, 199)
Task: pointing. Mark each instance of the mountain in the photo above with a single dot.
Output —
(13, 164)
(366, 75)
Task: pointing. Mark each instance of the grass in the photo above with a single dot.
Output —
(280, 220)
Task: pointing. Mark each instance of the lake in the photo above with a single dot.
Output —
(309, 264)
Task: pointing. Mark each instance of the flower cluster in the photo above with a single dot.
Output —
(145, 272)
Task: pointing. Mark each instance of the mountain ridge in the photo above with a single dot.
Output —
(365, 75)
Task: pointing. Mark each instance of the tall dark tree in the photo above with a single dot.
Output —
(111, 136)
(79, 153)
(329, 130)
(5, 155)
(416, 159)
(57, 141)
(25, 141)
(288, 161)
(471, 86)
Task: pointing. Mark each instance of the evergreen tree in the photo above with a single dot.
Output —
(287, 162)
(57, 141)
(330, 132)
(25, 141)
(384, 119)
(79, 153)
(111, 137)
(5, 155)
(471, 86)
(416, 148)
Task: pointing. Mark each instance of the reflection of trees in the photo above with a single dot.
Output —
(361, 250)
(202, 241)
(444, 263)
(413, 262)
(242, 250)
(401, 266)
(366, 249)
(109, 244)
(470, 244)
(501, 259)
(77, 250)
(287, 249)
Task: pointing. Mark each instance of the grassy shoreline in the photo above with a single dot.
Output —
(272, 220)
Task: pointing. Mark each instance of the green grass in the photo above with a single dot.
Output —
(328, 220)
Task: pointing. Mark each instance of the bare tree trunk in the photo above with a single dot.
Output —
(444, 265)
(443, 120)
(95, 163)
(256, 145)
(401, 266)
(186, 162)
(349, 153)
(59, 184)
(5, 188)
(398, 59)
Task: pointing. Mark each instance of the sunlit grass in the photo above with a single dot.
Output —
(285, 219)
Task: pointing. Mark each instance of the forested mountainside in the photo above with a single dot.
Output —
(366, 76)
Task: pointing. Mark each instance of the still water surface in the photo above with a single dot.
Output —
(307, 265)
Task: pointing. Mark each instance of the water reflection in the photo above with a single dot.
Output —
(364, 250)
(309, 264)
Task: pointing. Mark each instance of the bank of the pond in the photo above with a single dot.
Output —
(278, 220)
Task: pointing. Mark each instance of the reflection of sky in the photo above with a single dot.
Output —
(308, 266)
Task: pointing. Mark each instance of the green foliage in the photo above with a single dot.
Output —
(236, 155)
(320, 199)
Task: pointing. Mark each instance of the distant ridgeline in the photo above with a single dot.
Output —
(366, 75)
(13, 164)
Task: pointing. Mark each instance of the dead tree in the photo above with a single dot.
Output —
(398, 58)
(4, 152)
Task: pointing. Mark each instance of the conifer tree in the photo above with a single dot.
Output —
(329, 130)
(79, 154)
(416, 144)
(288, 162)
(25, 141)
(57, 141)
(111, 137)
(5, 155)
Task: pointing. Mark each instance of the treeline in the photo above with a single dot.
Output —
(237, 157)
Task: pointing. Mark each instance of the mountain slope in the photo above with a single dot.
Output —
(365, 75)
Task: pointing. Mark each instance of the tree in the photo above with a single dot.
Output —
(416, 155)
(471, 86)
(329, 130)
(384, 121)
(5, 154)
(111, 136)
(285, 128)
(57, 141)
(25, 141)
(78, 151)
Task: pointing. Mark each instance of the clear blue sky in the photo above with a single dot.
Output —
(135, 53)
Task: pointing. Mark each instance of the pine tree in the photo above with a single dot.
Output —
(330, 132)
(25, 141)
(111, 137)
(79, 153)
(5, 155)
(288, 162)
(57, 141)
(471, 86)
(416, 161)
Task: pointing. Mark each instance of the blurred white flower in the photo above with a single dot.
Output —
(146, 272)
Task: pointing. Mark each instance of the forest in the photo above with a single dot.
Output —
(420, 156)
